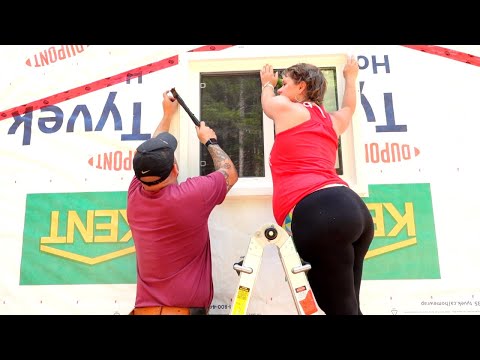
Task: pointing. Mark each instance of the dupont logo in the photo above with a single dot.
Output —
(54, 54)
(77, 238)
(389, 152)
(113, 160)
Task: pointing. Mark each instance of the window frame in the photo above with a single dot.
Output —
(193, 64)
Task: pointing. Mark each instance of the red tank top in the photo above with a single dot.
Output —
(302, 161)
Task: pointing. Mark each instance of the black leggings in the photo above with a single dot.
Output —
(332, 229)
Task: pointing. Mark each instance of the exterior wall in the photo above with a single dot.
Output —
(66, 166)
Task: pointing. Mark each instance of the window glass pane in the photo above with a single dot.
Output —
(330, 102)
(230, 105)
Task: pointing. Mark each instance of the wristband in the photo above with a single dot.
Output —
(211, 141)
(268, 84)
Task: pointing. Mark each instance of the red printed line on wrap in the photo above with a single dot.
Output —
(447, 53)
(100, 84)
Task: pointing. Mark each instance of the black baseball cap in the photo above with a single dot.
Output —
(155, 157)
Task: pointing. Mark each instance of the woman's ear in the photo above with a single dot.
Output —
(302, 86)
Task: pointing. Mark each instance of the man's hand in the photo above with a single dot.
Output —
(169, 104)
(205, 133)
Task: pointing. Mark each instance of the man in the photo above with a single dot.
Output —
(169, 222)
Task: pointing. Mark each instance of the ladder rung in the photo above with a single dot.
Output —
(303, 268)
(243, 269)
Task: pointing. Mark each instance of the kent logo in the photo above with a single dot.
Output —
(84, 238)
(77, 238)
(404, 246)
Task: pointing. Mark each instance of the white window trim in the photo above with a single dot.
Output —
(190, 67)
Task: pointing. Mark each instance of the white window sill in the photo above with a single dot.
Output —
(251, 187)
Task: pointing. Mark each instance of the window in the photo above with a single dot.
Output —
(227, 97)
(230, 102)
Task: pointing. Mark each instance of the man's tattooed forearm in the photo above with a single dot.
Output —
(219, 157)
(222, 162)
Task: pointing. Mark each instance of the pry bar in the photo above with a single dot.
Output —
(185, 107)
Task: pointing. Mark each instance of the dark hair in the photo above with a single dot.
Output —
(313, 77)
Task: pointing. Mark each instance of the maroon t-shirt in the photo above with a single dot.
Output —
(172, 241)
(302, 160)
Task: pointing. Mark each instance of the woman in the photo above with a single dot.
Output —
(330, 224)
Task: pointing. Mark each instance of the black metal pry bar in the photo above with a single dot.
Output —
(185, 107)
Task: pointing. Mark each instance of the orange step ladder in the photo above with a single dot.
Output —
(295, 271)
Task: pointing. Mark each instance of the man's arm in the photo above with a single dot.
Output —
(221, 161)
(170, 107)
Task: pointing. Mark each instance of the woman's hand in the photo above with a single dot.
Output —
(350, 71)
(267, 75)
